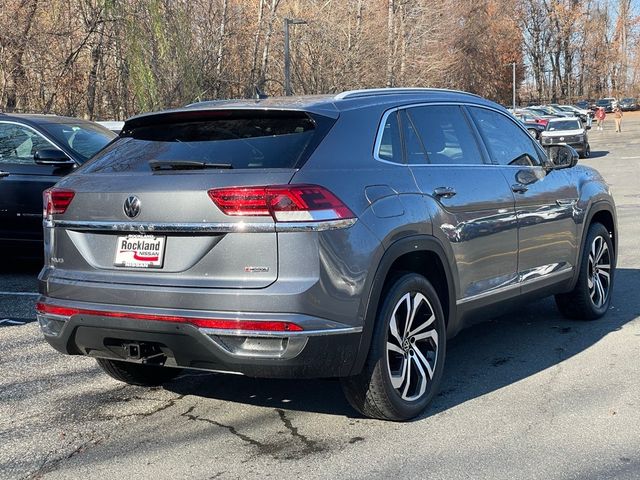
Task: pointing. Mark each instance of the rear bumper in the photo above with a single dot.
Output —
(321, 348)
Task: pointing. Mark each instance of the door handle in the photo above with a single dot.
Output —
(519, 188)
(3, 174)
(444, 192)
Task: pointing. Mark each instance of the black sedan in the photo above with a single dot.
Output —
(35, 152)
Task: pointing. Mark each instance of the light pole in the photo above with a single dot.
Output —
(287, 56)
(514, 86)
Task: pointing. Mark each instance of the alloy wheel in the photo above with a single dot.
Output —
(412, 346)
(599, 279)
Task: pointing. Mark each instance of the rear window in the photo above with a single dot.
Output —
(236, 139)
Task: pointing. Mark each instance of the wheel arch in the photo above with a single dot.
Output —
(600, 212)
(421, 254)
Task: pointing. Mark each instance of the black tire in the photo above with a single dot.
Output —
(138, 374)
(584, 301)
(585, 152)
(534, 133)
(372, 392)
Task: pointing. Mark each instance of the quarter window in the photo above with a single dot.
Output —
(389, 148)
(445, 134)
(507, 143)
(18, 144)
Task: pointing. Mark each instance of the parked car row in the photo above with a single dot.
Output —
(609, 104)
(345, 235)
(558, 124)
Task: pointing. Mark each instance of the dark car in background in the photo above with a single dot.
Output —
(35, 152)
(628, 104)
(605, 103)
(534, 125)
(343, 235)
(585, 105)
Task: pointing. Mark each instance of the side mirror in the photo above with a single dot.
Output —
(52, 156)
(562, 156)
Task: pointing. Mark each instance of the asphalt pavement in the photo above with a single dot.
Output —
(528, 395)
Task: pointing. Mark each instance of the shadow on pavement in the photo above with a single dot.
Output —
(30, 266)
(599, 153)
(481, 359)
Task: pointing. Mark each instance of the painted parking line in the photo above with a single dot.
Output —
(22, 294)
(15, 322)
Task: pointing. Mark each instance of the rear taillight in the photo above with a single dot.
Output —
(543, 122)
(56, 200)
(285, 203)
(45, 309)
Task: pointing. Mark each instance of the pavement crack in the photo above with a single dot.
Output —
(230, 428)
(46, 467)
(296, 447)
(170, 403)
(310, 446)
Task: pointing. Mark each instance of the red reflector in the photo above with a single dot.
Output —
(57, 200)
(290, 203)
(217, 323)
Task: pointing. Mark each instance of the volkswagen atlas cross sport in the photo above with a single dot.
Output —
(325, 236)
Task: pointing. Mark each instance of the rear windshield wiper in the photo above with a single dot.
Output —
(158, 165)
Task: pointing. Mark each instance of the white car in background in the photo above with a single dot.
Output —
(567, 131)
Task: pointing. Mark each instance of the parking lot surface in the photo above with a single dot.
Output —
(527, 395)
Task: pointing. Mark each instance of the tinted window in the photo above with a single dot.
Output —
(445, 134)
(564, 125)
(507, 143)
(412, 144)
(19, 143)
(86, 139)
(238, 139)
(389, 148)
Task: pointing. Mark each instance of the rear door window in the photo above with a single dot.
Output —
(235, 139)
(445, 134)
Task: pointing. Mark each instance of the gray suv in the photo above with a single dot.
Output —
(325, 236)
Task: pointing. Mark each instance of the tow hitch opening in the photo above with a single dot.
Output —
(143, 352)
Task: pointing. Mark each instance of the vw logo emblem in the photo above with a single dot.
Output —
(132, 206)
(562, 139)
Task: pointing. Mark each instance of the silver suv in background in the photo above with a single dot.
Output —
(342, 235)
(567, 131)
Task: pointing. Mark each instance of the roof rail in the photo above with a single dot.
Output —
(393, 91)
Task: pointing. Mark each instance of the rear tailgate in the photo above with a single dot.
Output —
(178, 236)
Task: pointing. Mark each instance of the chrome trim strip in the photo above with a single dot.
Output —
(315, 226)
(53, 316)
(507, 288)
(221, 227)
(301, 333)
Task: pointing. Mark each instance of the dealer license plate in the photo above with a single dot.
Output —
(140, 251)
